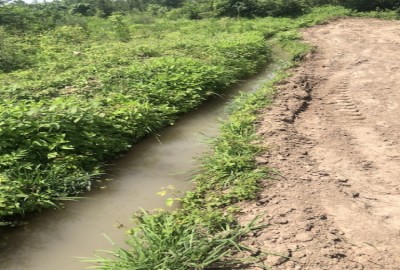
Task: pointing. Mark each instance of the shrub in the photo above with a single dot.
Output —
(14, 52)
(367, 5)
(278, 8)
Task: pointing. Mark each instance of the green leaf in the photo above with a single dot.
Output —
(52, 155)
(169, 202)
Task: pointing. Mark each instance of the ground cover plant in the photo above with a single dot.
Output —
(87, 94)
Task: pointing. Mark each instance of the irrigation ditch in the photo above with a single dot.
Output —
(161, 165)
(55, 239)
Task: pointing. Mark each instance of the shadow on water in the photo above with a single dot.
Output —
(52, 239)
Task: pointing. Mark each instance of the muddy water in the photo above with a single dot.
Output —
(54, 239)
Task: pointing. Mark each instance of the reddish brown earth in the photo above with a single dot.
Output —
(333, 136)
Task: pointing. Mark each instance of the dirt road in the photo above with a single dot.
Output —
(334, 137)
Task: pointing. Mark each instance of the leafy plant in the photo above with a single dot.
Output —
(160, 241)
(83, 101)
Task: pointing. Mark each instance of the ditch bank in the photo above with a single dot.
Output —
(333, 138)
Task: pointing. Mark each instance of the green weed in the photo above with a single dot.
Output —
(164, 241)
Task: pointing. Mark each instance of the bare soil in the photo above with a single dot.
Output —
(334, 139)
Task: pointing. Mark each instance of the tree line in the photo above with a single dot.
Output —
(38, 16)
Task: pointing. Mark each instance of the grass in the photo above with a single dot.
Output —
(380, 14)
(160, 241)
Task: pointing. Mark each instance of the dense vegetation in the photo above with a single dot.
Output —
(78, 97)
(18, 16)
(78, 88)
(78, 94)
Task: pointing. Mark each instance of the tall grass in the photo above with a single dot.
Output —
(160, 241)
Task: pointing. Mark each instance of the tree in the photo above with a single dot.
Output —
(83, 9)
(105, 7)
(3, 2)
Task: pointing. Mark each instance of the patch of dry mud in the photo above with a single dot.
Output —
(334, 137)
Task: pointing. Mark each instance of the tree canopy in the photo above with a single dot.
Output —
(19, 16)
